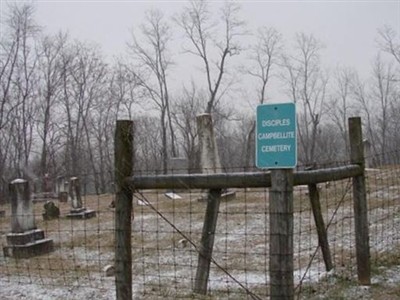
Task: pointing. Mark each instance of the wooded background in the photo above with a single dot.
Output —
(60, 97)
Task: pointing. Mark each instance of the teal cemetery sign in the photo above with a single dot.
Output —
(276, 138)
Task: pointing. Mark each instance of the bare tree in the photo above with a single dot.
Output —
(341, 103)
(125, 89)
(17, 89)
(50, 89)
(185, 111)
(212, 46)
(119, 99)
(18, 27)
(263, 57)
(378, 101)
(152, 58)
(363, 100)
(389, 43)
(20, 86)
(10, 48)
(89, 88)
(84, 85)
(384, 95)
(149, 150)
(307, 87)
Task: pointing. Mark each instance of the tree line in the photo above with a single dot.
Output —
(60, 97)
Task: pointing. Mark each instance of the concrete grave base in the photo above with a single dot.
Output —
(81, 213)
(227, 196)
(25, 237)
(27, 244)
(43, 197)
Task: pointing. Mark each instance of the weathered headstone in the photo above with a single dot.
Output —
(208, 150)
(43, 190)
(22, 218)
(47, 186)
(367, 151)
(62, 189)
(77, 211)
(75, 193)
(109, 270)
(25, 239)
(178, 165)
(209, 157)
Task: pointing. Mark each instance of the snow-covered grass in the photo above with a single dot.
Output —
(164, 261)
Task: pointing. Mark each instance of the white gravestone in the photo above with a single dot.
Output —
(25, 240)
(22, 218)
(75, 194)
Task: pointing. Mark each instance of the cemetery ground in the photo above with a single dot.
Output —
(164, 261)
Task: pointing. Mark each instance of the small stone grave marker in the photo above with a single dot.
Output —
(51, 211)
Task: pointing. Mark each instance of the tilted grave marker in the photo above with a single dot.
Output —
(78, 211)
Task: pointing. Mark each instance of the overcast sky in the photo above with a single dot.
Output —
(347, 28)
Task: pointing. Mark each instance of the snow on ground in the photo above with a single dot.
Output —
(11, 289)
(240, 246)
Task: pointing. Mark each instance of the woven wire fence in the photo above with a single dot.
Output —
(82, 248)
(168, 227)
(166, 233)
(384, 209)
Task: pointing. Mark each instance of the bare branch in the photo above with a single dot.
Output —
(206, 39)
(387, 42)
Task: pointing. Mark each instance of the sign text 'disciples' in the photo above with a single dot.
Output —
(276, 144)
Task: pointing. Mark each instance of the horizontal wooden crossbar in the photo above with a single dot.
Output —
(238, 180)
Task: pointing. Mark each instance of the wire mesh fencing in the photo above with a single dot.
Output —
(384, 209)
(167, 240)
(81, 247)
(168, 227)
(166, 235)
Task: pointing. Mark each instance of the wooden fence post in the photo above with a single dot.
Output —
(207, 241)
(281, 234)
(123, 209)
(209, 161)
(320, 224)
(360, 203)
